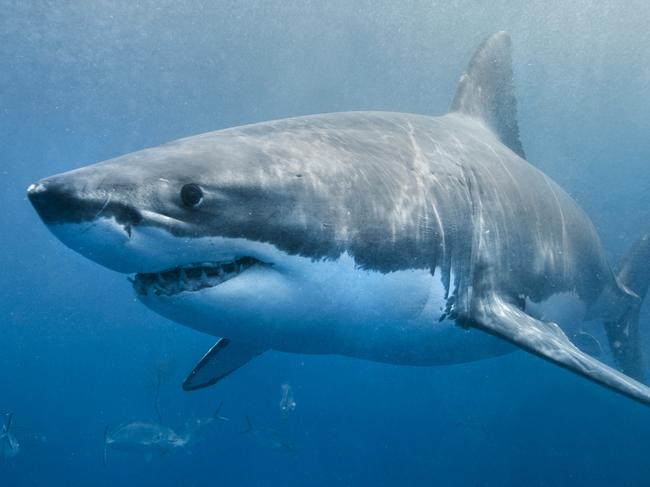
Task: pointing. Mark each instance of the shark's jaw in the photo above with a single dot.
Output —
(192, 277)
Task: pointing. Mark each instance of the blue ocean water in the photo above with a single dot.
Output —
(85, 81)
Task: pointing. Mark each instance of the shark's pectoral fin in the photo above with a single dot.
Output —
(546, 340)
(222, 359)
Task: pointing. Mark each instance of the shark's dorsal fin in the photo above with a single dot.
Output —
(486, 90)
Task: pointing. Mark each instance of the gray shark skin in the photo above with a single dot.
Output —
(392, 237)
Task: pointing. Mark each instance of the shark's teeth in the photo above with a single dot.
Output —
(204, 278)
(191, 277)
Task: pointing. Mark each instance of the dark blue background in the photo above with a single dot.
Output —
(85, 81)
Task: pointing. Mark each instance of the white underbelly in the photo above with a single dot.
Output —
(334, 307)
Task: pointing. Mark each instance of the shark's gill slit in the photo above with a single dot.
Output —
(101, 210)
(192, 277)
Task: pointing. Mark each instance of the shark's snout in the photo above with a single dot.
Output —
(59, 202)
(54, 202)
(96, 221)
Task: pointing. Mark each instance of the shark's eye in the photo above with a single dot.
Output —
(192, 195)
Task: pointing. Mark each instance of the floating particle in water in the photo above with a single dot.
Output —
(287, 403)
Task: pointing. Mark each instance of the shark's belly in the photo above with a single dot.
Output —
(411, 343)
(398, 317)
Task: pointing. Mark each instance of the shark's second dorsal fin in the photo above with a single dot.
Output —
(486, 90)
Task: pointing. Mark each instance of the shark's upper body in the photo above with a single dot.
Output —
(387, 236)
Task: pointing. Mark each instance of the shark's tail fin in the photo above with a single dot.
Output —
(217, 416)
(623, 334)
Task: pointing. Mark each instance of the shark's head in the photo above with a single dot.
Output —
(225, 230)
(196, 200)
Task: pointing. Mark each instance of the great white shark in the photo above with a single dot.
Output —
(392, 237)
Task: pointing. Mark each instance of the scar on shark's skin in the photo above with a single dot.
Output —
(392, 237)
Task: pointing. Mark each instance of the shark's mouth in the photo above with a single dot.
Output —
(191, 277)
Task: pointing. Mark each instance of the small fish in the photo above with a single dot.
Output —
(146, 438)
(9, 443)
(287, 403)
(154, 438)
(269, 438)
